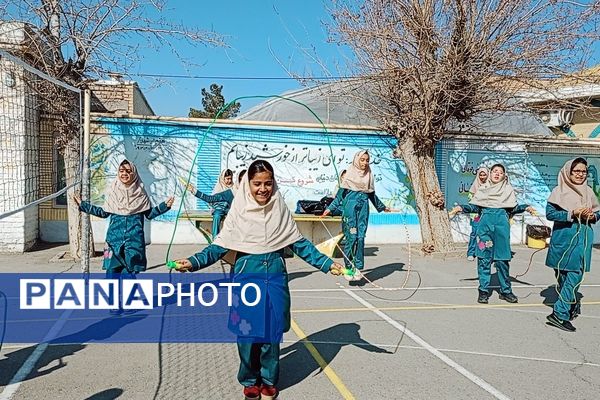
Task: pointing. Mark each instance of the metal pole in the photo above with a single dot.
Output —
(85, 185)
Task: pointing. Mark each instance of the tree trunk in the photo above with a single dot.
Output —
(71, 156)
(72, 148)
(435, 224)
(72, 164)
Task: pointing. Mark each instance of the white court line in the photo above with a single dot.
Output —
(489, 308)
(539, 286)
(29, 364)
(444, 358)
(394, 346)
(477, 353)
(322, 297)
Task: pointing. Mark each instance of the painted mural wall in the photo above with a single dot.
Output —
(310, 171)
(307, 162)
(533, 174)
(160, 161)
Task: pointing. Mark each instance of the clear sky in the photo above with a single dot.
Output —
(265, 38)
(263, 35)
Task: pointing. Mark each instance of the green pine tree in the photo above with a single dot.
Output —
(212, 102)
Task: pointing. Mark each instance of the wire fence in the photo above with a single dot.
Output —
(40, 147)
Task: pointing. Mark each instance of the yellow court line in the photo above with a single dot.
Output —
(435, 307)
(337, 382)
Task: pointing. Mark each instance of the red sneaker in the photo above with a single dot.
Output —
(251, 393)
(268, 392)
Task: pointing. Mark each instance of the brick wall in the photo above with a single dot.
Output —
(113, 98)
(119, 98)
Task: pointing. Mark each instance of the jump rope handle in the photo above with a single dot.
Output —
(452, 213)
(183, 181)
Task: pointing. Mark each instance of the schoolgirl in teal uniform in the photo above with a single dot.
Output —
(356, 190)
(496, 202)
(258, 228)
(574, 208)
(127, 205)
(220, 200)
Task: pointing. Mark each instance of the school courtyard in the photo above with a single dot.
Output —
(346, 342)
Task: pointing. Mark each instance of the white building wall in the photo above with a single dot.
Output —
(19, 165)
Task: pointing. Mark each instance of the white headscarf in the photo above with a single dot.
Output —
(570, 196)
(221, 186)
(127, 200)
(357, 179)
(477, 182)
(254, 229)
(495, 195)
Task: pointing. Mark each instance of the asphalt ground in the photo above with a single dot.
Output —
(346, 342)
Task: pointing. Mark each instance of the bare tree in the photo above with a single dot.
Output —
(433, 63)
(75, 41)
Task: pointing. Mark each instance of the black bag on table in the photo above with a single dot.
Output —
(315, 207)
(539, 232)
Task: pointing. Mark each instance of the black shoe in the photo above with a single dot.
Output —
(483, 297)
(511, 298)
(564, 325)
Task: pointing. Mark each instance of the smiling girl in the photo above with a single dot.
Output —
(257, 229)
(574, 207)
(127, 205)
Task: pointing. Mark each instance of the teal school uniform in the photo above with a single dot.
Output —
(125, 237)
(493, 244)
(259, 362)
(570, 256)
(220, 202)
(355, 221)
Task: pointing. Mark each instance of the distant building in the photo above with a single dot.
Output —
(119, 97)
(571, 108)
